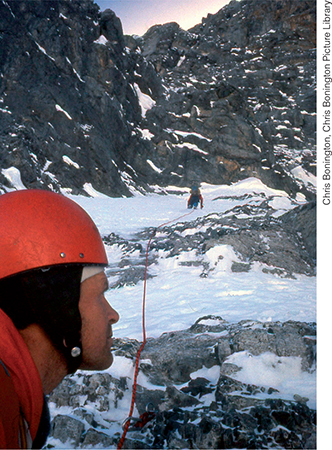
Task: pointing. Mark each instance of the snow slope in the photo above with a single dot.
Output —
(177, 296)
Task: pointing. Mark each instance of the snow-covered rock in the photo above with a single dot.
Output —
(215, 385)
(232, 98)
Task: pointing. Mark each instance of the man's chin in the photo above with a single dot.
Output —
(103, 364)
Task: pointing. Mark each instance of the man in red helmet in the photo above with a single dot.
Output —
(54, 317)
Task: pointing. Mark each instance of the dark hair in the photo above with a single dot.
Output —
(48, 297)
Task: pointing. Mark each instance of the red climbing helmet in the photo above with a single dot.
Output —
(41, 229)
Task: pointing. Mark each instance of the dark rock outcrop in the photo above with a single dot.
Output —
(240, 92)
(303, 221)
(232, 97)
(193, 412)
(68, 105)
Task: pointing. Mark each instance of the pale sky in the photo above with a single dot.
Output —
(137, 16)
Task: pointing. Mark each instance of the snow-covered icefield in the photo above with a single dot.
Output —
(177, 296)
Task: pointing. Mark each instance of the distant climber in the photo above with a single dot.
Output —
(195, 198)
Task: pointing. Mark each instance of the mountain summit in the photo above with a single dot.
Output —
(84, 107)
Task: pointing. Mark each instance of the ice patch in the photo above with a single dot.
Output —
(281, 204)
(145, 101)
(13, 175)
(70, 162)
(192, 147)
(89, 189)
(221, 257)
(212, 374)
(58, 108)
(146, 134)
(306, 177)
(186, 134)
(154, 167)
(44, 51)
(279, 372)
(101, 40)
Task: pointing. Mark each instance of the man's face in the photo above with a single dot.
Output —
(97, 320)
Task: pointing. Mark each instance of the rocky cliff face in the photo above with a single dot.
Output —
(68, 106)
(239, 94)
(82, 105)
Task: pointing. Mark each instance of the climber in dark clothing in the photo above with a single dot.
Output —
(195, 198)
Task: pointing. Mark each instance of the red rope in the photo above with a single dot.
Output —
(127, 424)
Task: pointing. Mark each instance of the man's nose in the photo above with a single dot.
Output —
(112, 314)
